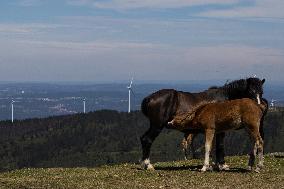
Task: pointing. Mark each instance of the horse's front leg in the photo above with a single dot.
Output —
(146, 141)
(220, 152)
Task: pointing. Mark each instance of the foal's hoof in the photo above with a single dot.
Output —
(206, 168)
(257, 170)
(150, 167)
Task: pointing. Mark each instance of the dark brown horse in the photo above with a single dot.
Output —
(161, 107)
(224, 116)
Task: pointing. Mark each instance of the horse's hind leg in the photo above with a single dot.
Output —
(220, 152)
(146, 140)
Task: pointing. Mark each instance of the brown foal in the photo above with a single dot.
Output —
(224, 116)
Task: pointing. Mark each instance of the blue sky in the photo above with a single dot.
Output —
(113, 40)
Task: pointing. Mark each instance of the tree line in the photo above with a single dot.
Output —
(108, 137)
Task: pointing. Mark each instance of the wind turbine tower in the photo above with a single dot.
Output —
(84, 105)
(12, 108)
(129, 95)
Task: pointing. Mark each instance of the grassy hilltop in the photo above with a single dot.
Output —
(178, 174)
(100, 149)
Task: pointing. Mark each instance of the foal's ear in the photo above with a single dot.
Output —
(263, 81)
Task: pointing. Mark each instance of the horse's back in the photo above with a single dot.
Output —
(160, 106)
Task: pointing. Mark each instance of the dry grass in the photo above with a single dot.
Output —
(181, 174)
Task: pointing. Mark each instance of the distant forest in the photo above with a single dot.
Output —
(108, 137)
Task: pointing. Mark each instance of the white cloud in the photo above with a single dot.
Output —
(26, 28)
(29, 3)
(261, 9)
(134, 4)
(258, 9)
(105, 60)
(93, 47)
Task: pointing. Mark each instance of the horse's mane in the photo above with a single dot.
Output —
(236, 84)
(213, 87)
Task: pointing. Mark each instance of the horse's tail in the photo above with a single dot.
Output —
(144, 105)
(264, 108)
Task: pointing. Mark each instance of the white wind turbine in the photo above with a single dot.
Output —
(84, 105)
(272, 102)
(12, 109)
(129, 95)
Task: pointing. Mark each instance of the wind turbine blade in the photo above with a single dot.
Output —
(132, 92)
(131, 82)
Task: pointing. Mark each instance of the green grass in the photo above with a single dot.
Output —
(179, 174)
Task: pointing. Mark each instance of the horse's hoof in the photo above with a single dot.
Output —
(147, 165)
(223, 167)
(249, 168)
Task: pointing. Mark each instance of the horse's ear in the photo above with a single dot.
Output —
(263, 81)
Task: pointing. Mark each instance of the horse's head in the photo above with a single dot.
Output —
(245, 88)
(254, 88)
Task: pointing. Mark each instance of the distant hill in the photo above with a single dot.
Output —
(38, 100)
(107, 137)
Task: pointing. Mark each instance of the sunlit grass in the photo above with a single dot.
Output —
(179, 174)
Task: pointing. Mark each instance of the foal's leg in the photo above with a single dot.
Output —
(187, 141)
(184, 145)
(209, 135)
(146, 140)
(252, 157)
(220, 152)
(258, 148)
